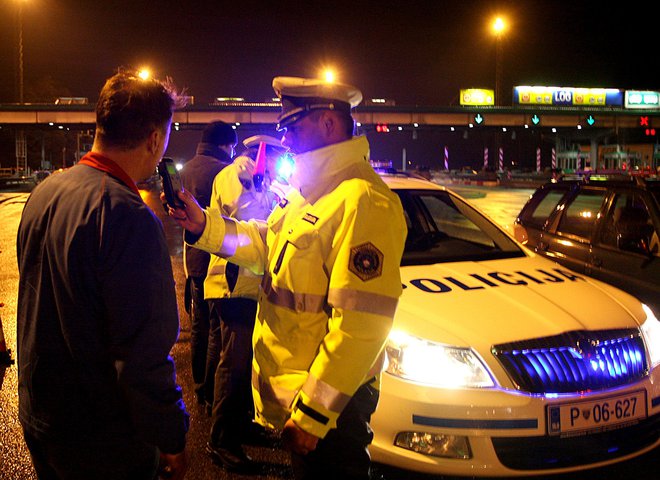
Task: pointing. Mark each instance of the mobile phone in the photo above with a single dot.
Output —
(171, 182)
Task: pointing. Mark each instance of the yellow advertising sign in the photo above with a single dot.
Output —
(591, 97)
(477, 97)
(534, 95)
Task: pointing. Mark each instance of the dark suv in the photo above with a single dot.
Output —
(605, 227)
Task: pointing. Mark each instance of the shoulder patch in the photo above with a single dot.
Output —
(366, 261)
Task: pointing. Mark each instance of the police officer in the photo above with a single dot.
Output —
(330, 255)
(232, 295)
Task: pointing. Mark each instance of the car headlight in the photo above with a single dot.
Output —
(651, 334)
(423, 361)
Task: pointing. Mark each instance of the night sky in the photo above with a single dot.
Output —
(415, 52)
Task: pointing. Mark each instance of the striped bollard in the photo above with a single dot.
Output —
(446, 158)
(554, 159)
(501, 159)
(486, 158)
(538, 159)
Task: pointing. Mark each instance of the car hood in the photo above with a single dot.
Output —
(481, 304)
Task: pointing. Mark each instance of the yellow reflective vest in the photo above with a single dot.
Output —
(329, 254)
(233, 195)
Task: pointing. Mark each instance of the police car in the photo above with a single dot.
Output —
(504, 363)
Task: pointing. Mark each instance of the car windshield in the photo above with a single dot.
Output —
(443, 228)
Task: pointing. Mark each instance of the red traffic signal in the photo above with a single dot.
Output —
(382, 128)
(650, 132)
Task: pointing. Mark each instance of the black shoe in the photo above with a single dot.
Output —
(232, 459)
(257, 435)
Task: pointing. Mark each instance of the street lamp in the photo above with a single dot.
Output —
(144, 73)
(499, 26)
(329, 75)
(21, 147)
(20, 51)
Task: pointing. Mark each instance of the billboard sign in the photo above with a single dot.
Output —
(477, 97)
(567, 96)
(642, 99)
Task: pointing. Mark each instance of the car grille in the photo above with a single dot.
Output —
(575, 361)
(552, 452)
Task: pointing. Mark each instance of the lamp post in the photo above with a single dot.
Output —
(21, 150)
(20, 51)
(498, 29)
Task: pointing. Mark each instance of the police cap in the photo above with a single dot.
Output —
(255, 140)
(301, 96)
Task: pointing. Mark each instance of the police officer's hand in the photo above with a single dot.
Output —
(173, 466)
(191, 217)
(296, 440)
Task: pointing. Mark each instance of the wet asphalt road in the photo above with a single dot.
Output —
(14, 458)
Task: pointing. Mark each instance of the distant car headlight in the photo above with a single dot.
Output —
(423, 361)
(651, 334)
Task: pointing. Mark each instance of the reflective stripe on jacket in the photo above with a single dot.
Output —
(331, 260)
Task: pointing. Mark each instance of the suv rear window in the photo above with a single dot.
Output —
(579, 217)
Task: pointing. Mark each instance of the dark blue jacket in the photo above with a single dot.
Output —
(197, 177)
(96, 316)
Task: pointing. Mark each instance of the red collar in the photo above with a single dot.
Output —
(98, 161)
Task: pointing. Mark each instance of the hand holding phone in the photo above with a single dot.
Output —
(171, 182)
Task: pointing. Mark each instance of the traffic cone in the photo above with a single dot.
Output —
(259, 167)
(5, 354)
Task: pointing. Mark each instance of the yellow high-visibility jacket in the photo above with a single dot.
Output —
(233, 195)
(330, 255)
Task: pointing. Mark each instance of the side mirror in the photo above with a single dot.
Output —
(633, 242)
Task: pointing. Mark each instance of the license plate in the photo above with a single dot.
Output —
(591, 416)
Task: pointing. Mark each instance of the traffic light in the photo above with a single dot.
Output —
(650, 132)
(382, 128)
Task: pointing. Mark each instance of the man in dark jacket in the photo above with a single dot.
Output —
(97, 313)
(213, 153)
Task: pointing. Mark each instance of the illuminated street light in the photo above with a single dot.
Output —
(329, 75)
(144, 73)
(499, 27)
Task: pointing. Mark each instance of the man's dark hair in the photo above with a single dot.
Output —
(219, 133)
(130, 108)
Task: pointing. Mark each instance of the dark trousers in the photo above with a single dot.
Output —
(92, 459)
(343, 453)
(199, 337)
(232, 323)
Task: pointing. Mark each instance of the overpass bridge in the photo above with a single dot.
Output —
(405, 134)
(259, 113)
